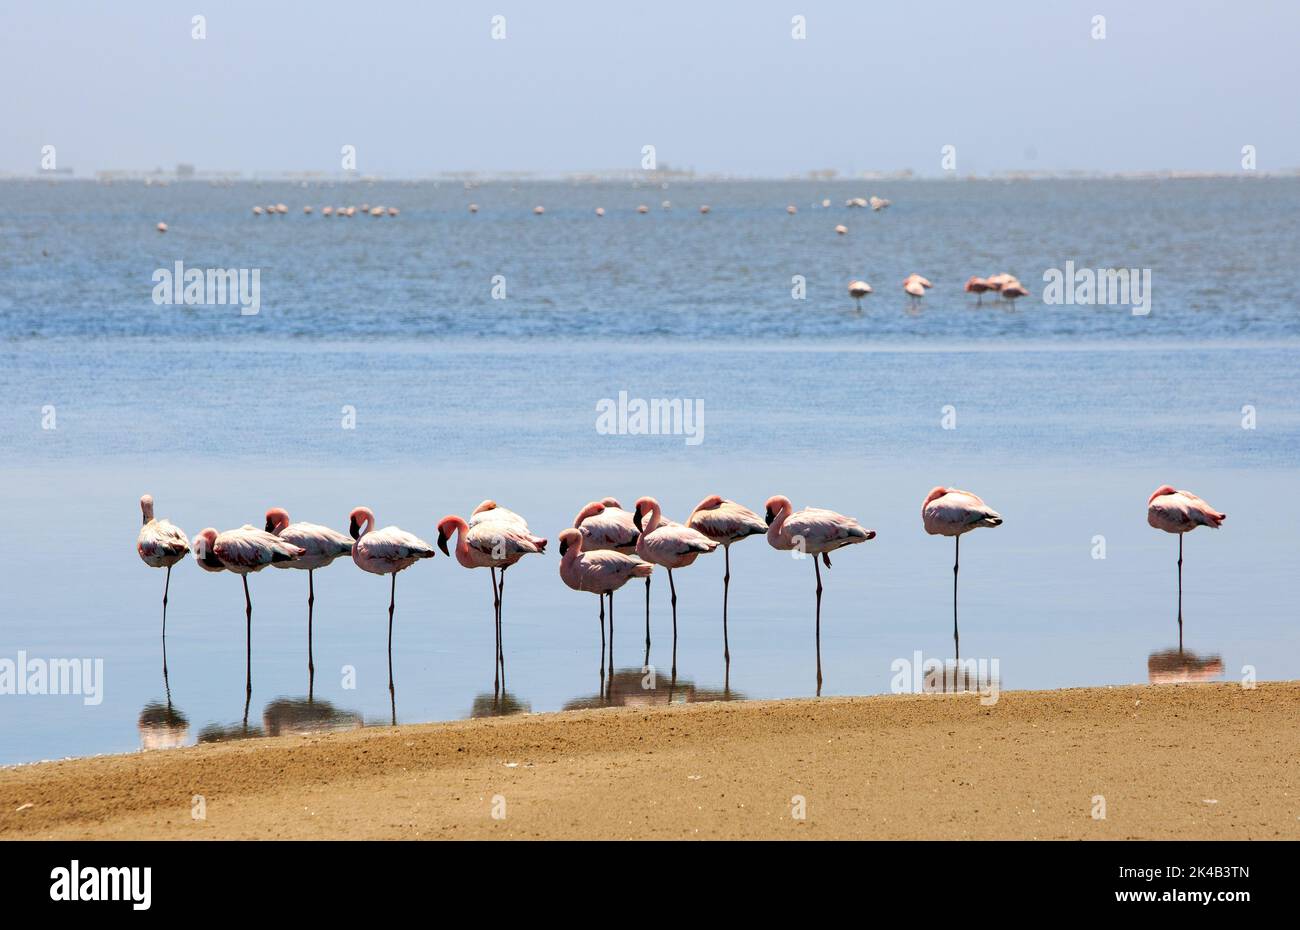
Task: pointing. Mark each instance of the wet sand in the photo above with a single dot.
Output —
(1190, 761)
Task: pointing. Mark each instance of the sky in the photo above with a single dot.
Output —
(422, 88)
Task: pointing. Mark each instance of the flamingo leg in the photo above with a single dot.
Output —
(392, 692)
(956, 643)
(726, 587)
(602, 644)
(1180, 592)
(673, 588)
(496, 631)
(611, 634)
(167, 584)
(818, 570)
(501, 648)
(311, 600)
(248, 641)
(647, 621)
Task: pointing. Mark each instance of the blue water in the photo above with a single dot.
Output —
(1066, 418)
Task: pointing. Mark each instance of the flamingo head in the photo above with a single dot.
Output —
(712, 502)
(773, 506)
(611, 502)
(589, 511)
(203, 546)
(447, 528)
(935, 494)
(570, 538)
(146, 507)
(484, 507)
(277, 518)
(1161, 492)
(644, 505)
(360, 517)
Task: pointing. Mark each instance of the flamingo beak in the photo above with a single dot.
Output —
(270, 525)
(442, 543)
(353, 528)
(768, 516)
(564, 546)
(636, 518)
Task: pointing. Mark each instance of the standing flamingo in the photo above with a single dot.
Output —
(816, 532)
(244, 551)
(1180, 512)
(385, 552)
(601, 572)
(489, 511)
(725, 522)
(977, 286)
(915, 286)
(858, 290)
(950, 512)
(672, 547)
(161, 544)
(321, 546)
(1012, 290)
(604, 524)
(489, 544)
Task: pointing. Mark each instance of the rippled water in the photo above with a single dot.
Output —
(1066, 419)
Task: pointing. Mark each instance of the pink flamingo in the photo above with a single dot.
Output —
(672, 547)
(489, 511)
(601, 572)
(1012, 290)
(161, 544)
(385, 552)
(725, 522)
(950, 512)
(1180, 512)
(490, 544)
(321, 546)
(244, 551)
(604, 524)
(812, 531)
(977, 286)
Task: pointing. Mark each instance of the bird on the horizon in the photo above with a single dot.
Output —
(816, 532)
(1180, 512)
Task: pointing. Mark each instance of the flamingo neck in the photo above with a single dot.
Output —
(774, 531)
(653, 524)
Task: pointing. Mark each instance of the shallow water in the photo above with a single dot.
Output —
(1065, 420)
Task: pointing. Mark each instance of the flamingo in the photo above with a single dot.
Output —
(858, 290)
(489, 511)
(321, 546)
(161, 544)
(244, 551)
(385, 552)
(841, 230)
(161, 227)
(977, 286)
(1012, 290)
(538, 210)
(914, 288)
(606, 525)
(950, 512)
(1180, 512)
(725, 522)
(705, 208)
(600, 211)
(997, 281)
(879, 203)
(812, 531)
(792, 209)
(642, 208)
(490, 544)
(473, 208)
(672, 547)
(601, 572)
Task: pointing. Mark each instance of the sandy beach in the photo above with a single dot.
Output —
(1195, 761)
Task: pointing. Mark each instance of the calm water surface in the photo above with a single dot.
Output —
(1066, 419)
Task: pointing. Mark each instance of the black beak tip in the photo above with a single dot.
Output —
(442, 543)
(636, 518)
(564, 547)
(768, 516)
(270, 526)
(352, 529)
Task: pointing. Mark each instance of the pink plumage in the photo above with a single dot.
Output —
(599, 572)
(605, 524)
(321, 545)
(386, 550)
(160, 543)
(1180, 511)
(812, 529)
(950, 512)
(724, 521)
(672, 546)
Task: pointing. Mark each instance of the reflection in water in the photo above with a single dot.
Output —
(633, 687)
(1176, 666)
(224, 733)
(299, 717)
(504, 704)
(161, 726)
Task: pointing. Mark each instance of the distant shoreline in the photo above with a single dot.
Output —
(1185, 761)
(647, 180)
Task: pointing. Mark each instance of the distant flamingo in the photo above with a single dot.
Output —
(321, 546)
(1012, 290)
(996, 281)
(244, 551)
(858, 290)
(725, 522)
(670, 546)
(492, 545)
(601, 572)
(950, 512)
(1180, 512)
(489, 511)
(160, 544)
(977, 286)
(604, 524)
(385, 552)
(814, 532)
(915, 289)
(841, 230)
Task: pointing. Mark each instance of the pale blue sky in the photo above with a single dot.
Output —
(421, 88)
